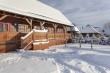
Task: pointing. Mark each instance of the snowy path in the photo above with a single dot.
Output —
(69, 59)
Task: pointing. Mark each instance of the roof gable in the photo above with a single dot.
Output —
(89, 29)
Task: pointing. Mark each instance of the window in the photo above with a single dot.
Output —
(5, 27)
(1, 27)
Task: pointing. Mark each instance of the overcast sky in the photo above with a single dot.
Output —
(83, 12)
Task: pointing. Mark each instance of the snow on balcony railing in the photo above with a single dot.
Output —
(34, 30)
(27, 35)
(33, 36)
(40, 30)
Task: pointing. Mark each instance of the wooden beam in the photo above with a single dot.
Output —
(41, 25)
(3, 17)
(64, 27)
(30, 23)
(55, 25)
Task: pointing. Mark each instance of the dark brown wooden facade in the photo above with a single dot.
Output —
(14, 26)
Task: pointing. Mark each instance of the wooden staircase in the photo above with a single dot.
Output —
(35, 40)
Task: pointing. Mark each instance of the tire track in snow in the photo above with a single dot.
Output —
(97, 66)
(67, 67)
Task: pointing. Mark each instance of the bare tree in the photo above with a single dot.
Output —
(106, 29)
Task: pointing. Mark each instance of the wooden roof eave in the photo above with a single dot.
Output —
(27, 17)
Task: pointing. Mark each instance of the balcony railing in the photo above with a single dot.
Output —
(59, 35)
(32, 37)
(11, 40)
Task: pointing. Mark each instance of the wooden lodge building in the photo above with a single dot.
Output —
(31, 25)
(90, 32)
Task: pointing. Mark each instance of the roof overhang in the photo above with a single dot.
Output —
(4, 7)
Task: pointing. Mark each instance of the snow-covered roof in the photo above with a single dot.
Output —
(76, 29)
(35, 9)
(89, 29)
(73, 29)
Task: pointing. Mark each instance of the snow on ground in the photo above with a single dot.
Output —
(58, 59)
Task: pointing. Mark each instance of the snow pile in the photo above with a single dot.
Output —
(36, 43)
(24, 63)
(58, 59)
(40, 30)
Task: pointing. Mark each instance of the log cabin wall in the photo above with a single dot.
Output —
(18, 26)
(11, 30)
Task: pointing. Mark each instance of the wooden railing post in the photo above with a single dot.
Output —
(91, 44)
(80, 42)
(65, 31)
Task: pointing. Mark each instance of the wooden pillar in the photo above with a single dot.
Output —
(80, 42)
(55, 30)
(65, 31)
(91, 44)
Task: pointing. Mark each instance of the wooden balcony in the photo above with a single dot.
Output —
(29, 41)
(38, 40)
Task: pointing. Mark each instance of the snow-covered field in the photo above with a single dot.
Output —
(58, 59)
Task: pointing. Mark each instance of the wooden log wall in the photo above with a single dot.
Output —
(57, 34)
(9, 41)
(39, 35)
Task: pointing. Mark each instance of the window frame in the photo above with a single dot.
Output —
(4, 25)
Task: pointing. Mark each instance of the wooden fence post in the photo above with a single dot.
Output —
(80, 42)
(91, 45)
